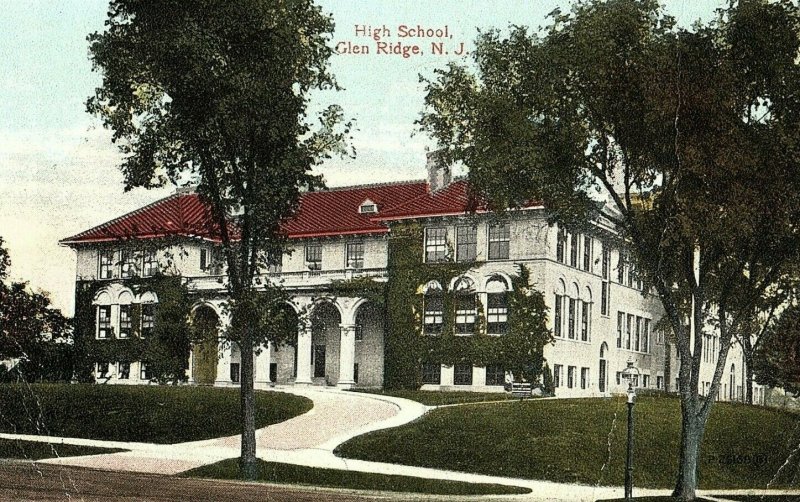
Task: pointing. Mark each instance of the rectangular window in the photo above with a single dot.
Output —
(106, 265)
(465, 314)
(355, 255)
(585, 313)
(435, 245)
(646, 336)
(570, 377)
(605, 289)
(314, 256)
(434, 314)
(558, 315)
(619, 377)
(584, 378)
(561, 244)
(499, 238)
(628, 333)
(432, 373)
(573, 250)
(497, 314)
(587, 253)
(144, 371)
(621, 268)
(148, 319)
(235, 374)
(571, 319)
(124, 372)
(124, 321)
(660, 382)
(495, 375)
(637, 345)
(204, 260)
(631, 273)
(150, 267)
(359, 334)
(620, 322)
(645, 381)
(129, 263)
(104, 321)
(606, 261)
(462, 374)
(557, 375)
(102, 370)
(467, 243)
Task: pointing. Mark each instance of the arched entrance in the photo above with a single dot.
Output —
(205, 328)
(325, 333)
(603, 377)
(368, 367)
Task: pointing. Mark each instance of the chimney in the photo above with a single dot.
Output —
(439, 175)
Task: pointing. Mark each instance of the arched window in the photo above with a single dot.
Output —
(465, 306)
(572, 312)
(433, 305)
(586, 315)
(558, 310)
(103, 303)
(125, 318)
(497, 306)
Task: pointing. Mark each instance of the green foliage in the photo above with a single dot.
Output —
(166, 352)
(777, 358)
(37, 450)
(274, 472)
(363, 287)
(149, 414)
(538, 439)
(519, 351)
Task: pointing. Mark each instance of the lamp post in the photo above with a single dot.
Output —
(628, 374)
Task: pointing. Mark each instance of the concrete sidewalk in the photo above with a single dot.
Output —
(310, 439)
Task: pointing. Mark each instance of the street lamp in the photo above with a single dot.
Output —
(628, 374)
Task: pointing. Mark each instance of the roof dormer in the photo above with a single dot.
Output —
(368, 207)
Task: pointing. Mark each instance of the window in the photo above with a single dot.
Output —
(495, 375)
(629, 327)
(102, 370)
(620, 322)
(637, 345)
(573, 250)
(204, 265)
(104, 321)
(355, 255)
(434, 312)
(585, 313)
(631, 274)
(124, 371)
(150, 264)
(106, 264)
(499, 238)
(497, 314)
(129, 266)
(570, 377)
(587, 253)
(274, 261)
(466, 243)
(571, 319)
(144, 371)
(645, 381)
(432, 373)
(465, 313)
(584, 378)
(619, 377)
(605, 289)
(235, 375)
(435, 245)
(621, 268)
(558, 315)
(557, 376)
(367, 207)
(314, 256)
(561, 242)
(462, 374)
(124, 321)
(646, 336)
(359, 334)
(148, 319)
(659, 382)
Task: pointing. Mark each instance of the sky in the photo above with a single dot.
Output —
(59, 171)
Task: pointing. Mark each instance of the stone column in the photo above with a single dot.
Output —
(262, 361)
(347, 355)
(303, 357)
(223, 365)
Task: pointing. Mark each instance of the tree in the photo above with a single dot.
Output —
(215, 93)
(690, 135)
(31, 331)
(777, 360)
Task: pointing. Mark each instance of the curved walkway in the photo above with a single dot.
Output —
(310, 439)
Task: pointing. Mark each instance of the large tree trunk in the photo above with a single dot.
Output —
(691, 436)
(247, 462)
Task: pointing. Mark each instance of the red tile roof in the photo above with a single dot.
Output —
(324, 213)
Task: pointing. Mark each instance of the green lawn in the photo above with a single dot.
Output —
(439, 398)
(35, 450)
(273, 472)
(567, 441)
(150, 414)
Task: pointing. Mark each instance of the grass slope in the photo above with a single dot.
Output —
(273, 472)
(150, 414)
(440, 398)
(35, 450)
(568, 441)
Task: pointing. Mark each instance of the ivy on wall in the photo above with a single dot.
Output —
(166, 351)
(406, 347)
